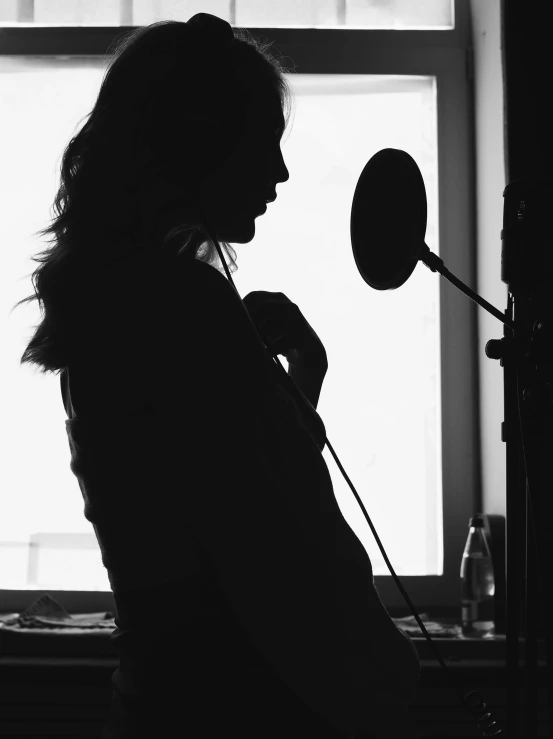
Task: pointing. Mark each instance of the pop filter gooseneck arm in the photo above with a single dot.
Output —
(473, 701)
(435, 264)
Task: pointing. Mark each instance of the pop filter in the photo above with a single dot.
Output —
(388, 226)
(388, 219)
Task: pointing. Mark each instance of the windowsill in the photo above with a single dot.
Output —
(72, 646)
(93, 646)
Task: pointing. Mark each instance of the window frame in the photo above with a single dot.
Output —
(446, 55)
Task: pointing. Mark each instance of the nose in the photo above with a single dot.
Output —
(281, 173)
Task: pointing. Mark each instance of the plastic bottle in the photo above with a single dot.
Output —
(477, 584)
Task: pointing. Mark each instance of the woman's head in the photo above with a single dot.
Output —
(214, 100)
(236, 192)
(184, 134)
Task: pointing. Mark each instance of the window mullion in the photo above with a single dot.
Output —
(125, 12)
(25, 11)
(341, 12)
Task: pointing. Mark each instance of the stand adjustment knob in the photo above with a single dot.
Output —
(495, 349)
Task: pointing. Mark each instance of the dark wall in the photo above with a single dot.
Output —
(527, 267)
(527, 41)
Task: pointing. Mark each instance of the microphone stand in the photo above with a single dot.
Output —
(526, 267)
(526, 354)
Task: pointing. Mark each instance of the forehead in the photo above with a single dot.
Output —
(268, 111)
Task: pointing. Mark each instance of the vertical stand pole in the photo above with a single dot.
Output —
(530, 631)
(515, 537)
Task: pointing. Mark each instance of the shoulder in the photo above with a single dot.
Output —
(200, 318)
(154, 290)
(185, 280)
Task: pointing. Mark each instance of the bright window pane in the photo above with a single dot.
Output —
(289, 13)
(68, 12)
(41, 105)
(396, 14)
(380, 401)
(61, 12)
(400, 14)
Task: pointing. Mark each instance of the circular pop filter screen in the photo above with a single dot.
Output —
(388, 219)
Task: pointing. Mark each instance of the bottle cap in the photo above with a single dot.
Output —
(477, 521)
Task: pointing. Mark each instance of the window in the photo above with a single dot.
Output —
(419, 501)
(397, 14)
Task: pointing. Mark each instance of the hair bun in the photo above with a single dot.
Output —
(212, 26)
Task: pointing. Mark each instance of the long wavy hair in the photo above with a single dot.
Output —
(170, 107)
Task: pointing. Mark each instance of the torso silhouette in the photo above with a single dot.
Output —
(209, 495)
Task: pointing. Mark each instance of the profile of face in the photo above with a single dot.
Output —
(234, 195)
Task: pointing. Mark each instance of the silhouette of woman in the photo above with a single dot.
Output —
(245, 604)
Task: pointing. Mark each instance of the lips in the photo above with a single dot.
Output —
(262, 204)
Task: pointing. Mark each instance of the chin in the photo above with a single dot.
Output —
(239, 234)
